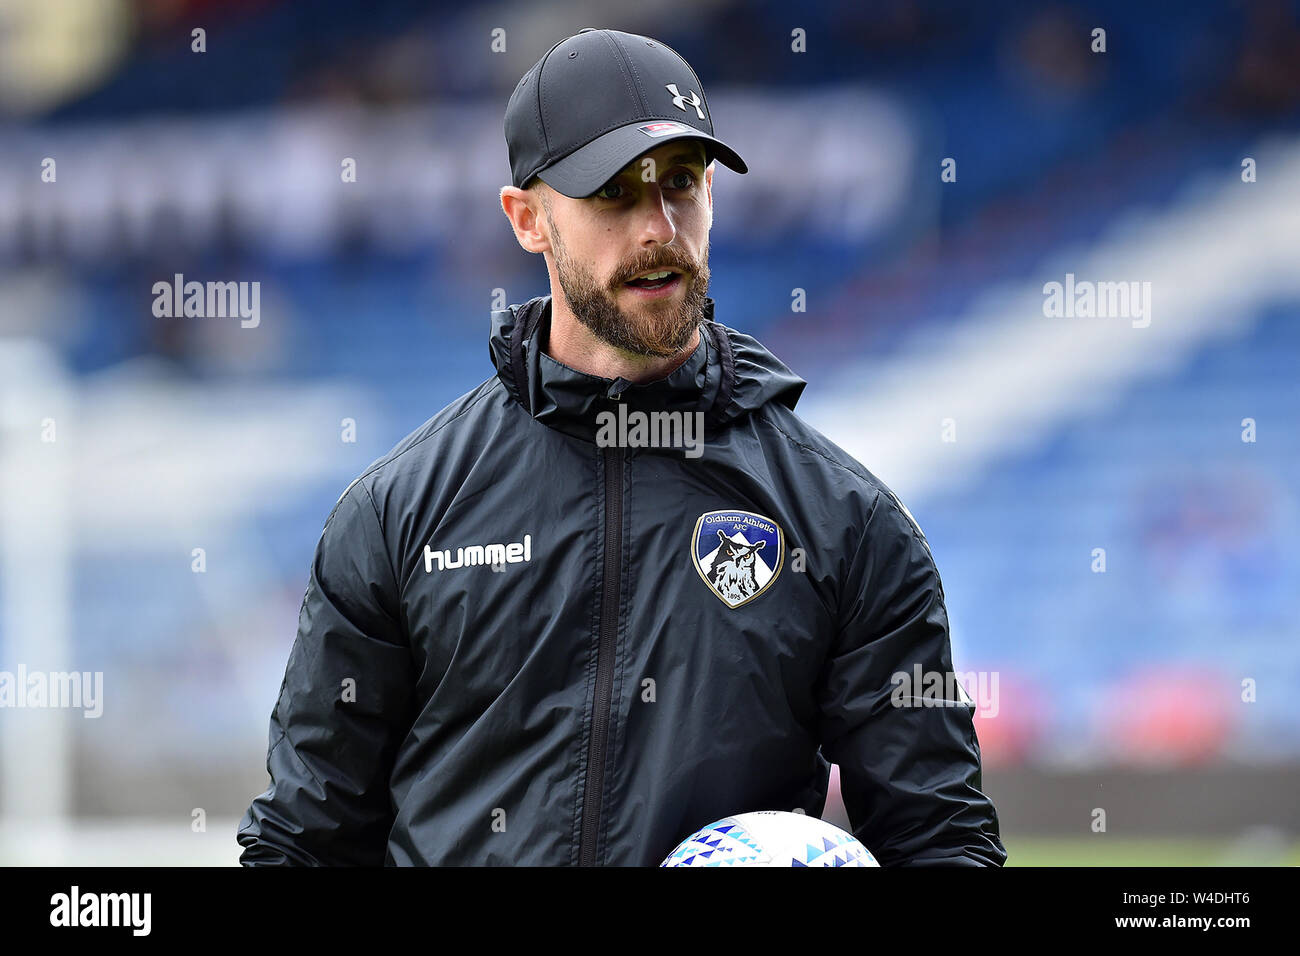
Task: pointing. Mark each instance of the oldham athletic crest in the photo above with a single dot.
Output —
(737, 553)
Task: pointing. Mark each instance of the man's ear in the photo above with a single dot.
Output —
(708, 189)
(524, 210)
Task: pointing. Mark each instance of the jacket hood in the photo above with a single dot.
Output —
(728, 376)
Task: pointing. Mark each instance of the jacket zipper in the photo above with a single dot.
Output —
(604, 654)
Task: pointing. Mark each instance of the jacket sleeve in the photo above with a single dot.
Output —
(909, 773)
(344, 707)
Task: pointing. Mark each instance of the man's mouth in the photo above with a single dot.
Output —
(661, 280)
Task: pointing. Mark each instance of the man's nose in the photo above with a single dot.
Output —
(656, 223)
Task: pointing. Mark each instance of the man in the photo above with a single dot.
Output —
(619, 590)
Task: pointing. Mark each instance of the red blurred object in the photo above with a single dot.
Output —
(1011, 718)
(1178, 717)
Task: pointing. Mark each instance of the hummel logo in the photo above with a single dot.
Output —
(476, 554)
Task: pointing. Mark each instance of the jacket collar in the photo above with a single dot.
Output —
(728, 375)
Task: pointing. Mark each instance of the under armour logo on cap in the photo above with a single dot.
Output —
(680, 101)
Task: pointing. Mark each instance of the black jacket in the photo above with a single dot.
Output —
(522, 645)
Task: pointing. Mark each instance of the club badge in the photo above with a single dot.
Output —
(737, 553)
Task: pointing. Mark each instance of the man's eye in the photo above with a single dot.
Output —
(600, 194)
(690, 180)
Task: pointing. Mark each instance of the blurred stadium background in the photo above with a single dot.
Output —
(1162, 690)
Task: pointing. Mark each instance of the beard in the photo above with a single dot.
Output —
(658, 328)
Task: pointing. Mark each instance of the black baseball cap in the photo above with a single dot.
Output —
(596, 101)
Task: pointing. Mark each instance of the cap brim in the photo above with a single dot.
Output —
(585, 170)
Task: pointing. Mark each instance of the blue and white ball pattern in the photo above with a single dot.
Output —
(770, 838)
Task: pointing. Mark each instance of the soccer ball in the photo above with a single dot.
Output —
(770, 838)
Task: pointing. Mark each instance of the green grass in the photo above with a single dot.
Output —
(1104, 850)
(145, 842)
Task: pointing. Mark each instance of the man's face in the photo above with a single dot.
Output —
(653, 216)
